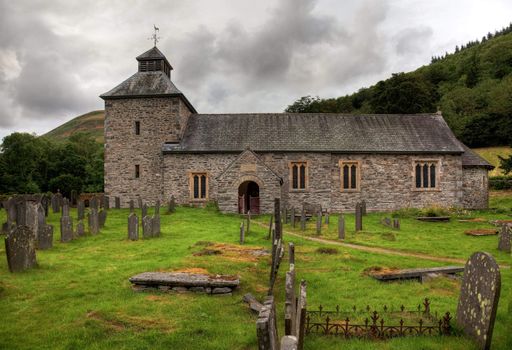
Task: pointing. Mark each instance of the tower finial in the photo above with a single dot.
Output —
(155, 36)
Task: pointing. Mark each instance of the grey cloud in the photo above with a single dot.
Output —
(412, 40)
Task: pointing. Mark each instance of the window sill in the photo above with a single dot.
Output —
(298, 190)
(199, 200)
(350, 191)
(426, 189)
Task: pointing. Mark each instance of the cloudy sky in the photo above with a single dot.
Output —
(57, 56)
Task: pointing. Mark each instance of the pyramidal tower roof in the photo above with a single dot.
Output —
(153, 79)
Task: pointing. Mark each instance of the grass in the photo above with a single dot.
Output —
(90, 123)
(491, 155)
(80, 297)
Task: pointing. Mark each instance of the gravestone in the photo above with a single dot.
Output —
(266, 326)
(285, 210)
(396, 224)
(157, 207)
(118, 203)
(479, 296)
(41, 223)
(102, 218)
(133, 227)
(292, 217)
(147, 229)
(20, 248)
(363, 207)
(80, 209)
(171, 208)
(55, 203)
(93, 203)
(94, 222)
(277, 218)
(80, 229)
(270, 225)
(359, 217)
(327, 218)
(291, 253)
(144, 210)
(45, 237)
(155, 225)
(66, 229)
(242, 233)
(65, 207)
(132, 206)
(73, 197)
(303, 219)
(106, 202)
(45, 203)
(504, 239)
(319, 223)
(139, 202)
(341, 227)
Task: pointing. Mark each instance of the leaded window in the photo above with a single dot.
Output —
(199, 185)
(425, 174)
(350, 175)
(298, 175)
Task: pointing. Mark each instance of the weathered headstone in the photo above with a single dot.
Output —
(106, 202)
(144, 210)
(94, 222)
(93, 203)
(65, 207)
(102, 217)
(319, 223)
(290, 303)
(20, 248)
(80, 229)
(80, 209)
(55, 203)
(171, 208)
(45, 237)
(504, 239)
(292, 217)
(118, 203)
(155, 225)
(242, 233)
(45, 203)
(291, 253)
(157, 207)
(327, 218)
(132, 206)
(303, 219)
(359, 217)
(396, 224)
(41, 223)
(266, 326)
(74, 197)
(363, 207)
(479, 296)
(139, 202)
(341, 227)
(66, 229)
(133, 227)
(147, 229)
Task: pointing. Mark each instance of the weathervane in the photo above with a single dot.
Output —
(155, 36)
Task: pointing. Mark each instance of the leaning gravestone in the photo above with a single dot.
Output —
(102, 217)
(41, 223)
(80, 229)
(118, 203)
(479, 296)
(504, 239)
(147, 227)
(20, 249)
(94, 222)
(80, 208)
(133, 227)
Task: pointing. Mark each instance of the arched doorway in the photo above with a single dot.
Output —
(249, 197)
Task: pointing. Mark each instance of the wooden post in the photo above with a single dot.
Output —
(277, 216)
(270, 227)
(291, 253)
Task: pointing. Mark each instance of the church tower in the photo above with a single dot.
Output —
(142, 114)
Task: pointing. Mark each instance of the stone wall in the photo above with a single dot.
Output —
(475, 188)
(161, 120)
(387, 181)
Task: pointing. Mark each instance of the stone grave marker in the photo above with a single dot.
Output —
(277, 218)
(359, 217)
(479, 296)
(139, 202)
(319, 223)
(65, 207)
(117, 203)
(155, 225)
(285, 210)
(171, 208)
(55, 203)
(396, 224)
(144, 210)
(341, 227)
(74, 197)
(80, 229)
(291, 253)
(327, 218)
(66, 229)
(132, 206)
(45, 237)
(363, 207)
(80, 209)
(303, 219)
(133, 227)
(504, 239)
(93, 203)
(20, 248)
(45, 202)
(242, 233)
(147, 227)
(292, 217)
(102, 218)
(106, 202)
(41, 223)
(266, 326)
(157, 207)
(94, 222)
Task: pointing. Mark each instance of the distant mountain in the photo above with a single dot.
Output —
(90, 123)
(471, 86)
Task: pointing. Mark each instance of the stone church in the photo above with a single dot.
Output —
(157, 146)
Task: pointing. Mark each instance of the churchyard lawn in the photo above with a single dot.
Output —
(80, 298)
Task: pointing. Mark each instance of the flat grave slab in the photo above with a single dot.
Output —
(433, 218)
(183, 281)
(415, 273)
(481, 232)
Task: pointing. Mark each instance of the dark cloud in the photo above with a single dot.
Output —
(412, 40)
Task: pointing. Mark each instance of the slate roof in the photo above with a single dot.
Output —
(417, 133)
(471, 159)
(153, 54)
(146, 84)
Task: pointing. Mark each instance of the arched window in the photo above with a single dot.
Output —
(350, 175)
(199, 186)
(298, 175)
(426, 174)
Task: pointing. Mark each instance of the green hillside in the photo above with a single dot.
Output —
(90, 123)
(471, 86)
